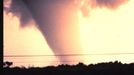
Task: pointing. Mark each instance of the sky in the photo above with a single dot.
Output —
(100, 27)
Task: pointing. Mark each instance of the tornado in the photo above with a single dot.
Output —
(57, 20)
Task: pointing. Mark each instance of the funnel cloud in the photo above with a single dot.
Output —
(58, 20)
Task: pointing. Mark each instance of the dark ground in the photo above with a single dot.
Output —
(110, 68)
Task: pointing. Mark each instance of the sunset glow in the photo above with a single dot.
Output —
(105, 35)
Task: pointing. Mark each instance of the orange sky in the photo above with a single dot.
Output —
(109, 31)
(104, 31)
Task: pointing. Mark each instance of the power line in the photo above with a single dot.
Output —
(69, 55)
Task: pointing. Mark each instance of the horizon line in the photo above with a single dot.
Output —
(69, 54)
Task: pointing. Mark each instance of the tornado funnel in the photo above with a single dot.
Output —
(58, 22)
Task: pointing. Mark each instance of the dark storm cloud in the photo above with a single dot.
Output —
(112, 4)
(92, 4)
(19, 9)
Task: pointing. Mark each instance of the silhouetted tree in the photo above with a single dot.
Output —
(7, 64)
